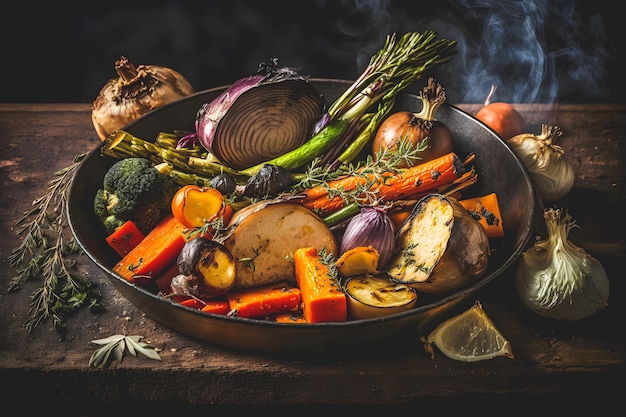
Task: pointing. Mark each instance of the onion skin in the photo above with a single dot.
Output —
(134, 93)
(414, 128)
(259, 118)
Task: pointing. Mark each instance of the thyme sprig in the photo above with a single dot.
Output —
(370, 169)
(45, 253)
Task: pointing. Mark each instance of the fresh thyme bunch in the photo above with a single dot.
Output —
(45, 254)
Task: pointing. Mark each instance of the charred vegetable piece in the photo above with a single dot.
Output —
(207, 269)
(373, 296)
(270, 181)
(442, 247)
(224, 183)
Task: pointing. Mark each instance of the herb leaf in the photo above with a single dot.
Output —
(113, 347)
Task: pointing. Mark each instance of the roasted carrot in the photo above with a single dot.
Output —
(216, 306)
(192, 303)
(125, 238)
(289, 317)
(487, 210)
(213, 306)
(264, 300)
(155, 253)
(322, 299)
(389, 186)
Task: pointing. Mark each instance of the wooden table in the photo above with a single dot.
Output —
(563, 364)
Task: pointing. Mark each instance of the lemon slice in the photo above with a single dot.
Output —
(469, 337)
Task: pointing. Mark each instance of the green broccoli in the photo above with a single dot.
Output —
(133, 189)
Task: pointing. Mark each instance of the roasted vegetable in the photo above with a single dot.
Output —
(442, 247)
(134, 190)
(385, 186)
(207, 269)
(264, 236)
(264, 300)
(372, 296)
(323, 299)
(125, 238)
(270, 181)
(370, 227)
(154, 254)
(259, 117)
(196, 206)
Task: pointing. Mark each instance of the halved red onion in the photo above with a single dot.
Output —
(259, 118)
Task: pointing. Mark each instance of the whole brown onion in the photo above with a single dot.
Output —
(415, 128)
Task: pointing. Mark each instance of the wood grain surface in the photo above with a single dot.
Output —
(565, 363)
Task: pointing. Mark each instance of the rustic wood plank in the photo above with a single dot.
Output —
(561, 360)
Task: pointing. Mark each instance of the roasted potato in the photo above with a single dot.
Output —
(265, 235)
(442, 248)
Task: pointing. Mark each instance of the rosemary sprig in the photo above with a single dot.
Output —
(115, 346)
(45, 253)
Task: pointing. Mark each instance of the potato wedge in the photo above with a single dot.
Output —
(442, 247)
(265, 235)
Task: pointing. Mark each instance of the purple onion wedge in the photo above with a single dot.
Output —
(259, 117)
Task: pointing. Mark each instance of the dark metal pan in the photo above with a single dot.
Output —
(499, 170)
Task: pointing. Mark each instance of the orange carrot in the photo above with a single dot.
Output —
(388, 185)
(216, 306)
(192, 303)
(155, 253)
(125, 238)
(213, 306)
(289, 317)
(487, 210)
(322, 299)
(264, 300)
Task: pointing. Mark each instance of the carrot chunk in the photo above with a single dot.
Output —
(154, 253)
(323, 300)
(264, 300)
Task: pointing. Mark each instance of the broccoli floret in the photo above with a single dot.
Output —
(133, 189)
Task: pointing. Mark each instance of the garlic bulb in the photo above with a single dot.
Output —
(552, 174)
(137, 91)
(559, 280)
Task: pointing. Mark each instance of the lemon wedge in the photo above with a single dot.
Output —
(469, 337)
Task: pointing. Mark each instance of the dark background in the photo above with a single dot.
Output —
(533, 50)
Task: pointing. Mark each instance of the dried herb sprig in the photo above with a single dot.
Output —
(115, 346)
(45, 253)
